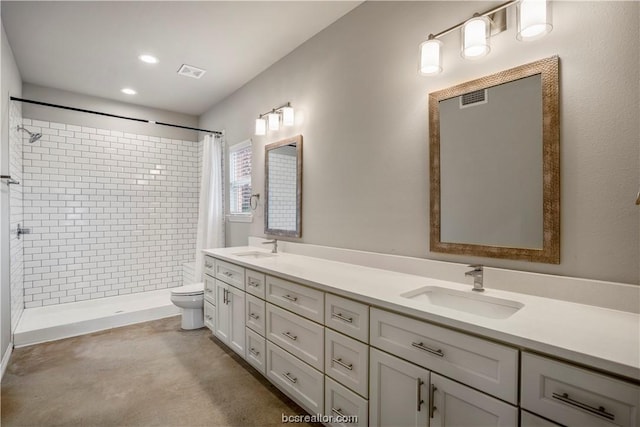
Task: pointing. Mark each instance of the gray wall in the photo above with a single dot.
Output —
(363, 114)
(77, 100)
(11, 85)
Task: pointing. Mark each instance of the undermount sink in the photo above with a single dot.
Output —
(465, 301)
(255, 254)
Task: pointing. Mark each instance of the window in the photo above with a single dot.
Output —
(240, 178)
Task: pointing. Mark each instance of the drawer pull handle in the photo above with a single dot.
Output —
(432, 400)
(419, 392)
(600, 411)
(422, 347)
(341, 317)
(254, 352)
(339, 361)
(338, 412)
(290, 298)
(209, 265)
(254, 316)
(227, 273)
(288, 376)
(208, 290)
(254, 284)
(291, 337)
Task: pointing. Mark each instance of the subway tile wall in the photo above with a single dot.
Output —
(16, 215)
(282, 189)
(112, 213)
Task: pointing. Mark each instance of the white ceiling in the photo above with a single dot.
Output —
(92, 47)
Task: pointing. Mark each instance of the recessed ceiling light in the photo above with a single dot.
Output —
(149, 59)
(129, 91)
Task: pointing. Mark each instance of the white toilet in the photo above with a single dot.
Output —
(190, 299)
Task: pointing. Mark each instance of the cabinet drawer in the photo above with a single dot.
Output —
(300, 299)
(302, 383)
(529, 420)
(210, 289)
(347, 361)
(209, 265)
(347, 316)
(256, 350)
(482, 364)
(254, 283)
(230, 273)
(298, 336)
(255, 314)
(574, 396)
(209, 315)
(346, 407)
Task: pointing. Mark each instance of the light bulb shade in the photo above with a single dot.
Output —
(431, 57)
(274, 121)
(288, 117)
(475, 38)
(261, 127)
(534, 19)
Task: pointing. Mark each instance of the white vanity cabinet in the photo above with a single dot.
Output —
(403, 394)
(454, 404)
(575, 396)
(209, 294)
(482, 364)
(398, 394)
(338, 356)
(229, 316)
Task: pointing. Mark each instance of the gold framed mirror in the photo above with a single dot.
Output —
(283, 188)
(494, 146)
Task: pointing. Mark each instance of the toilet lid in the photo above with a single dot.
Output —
(195, 289)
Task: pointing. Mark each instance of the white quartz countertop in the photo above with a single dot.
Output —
(598, 337)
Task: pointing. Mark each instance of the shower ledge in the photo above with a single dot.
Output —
(54, 322)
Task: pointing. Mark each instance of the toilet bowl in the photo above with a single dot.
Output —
(190, 299)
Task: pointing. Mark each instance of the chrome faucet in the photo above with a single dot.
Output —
(273, 242)
(476, 273)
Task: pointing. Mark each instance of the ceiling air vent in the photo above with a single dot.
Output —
(473, 98)
(191, 71)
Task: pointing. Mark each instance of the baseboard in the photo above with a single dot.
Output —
(5, 359)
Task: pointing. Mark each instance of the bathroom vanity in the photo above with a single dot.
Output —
(389, 348)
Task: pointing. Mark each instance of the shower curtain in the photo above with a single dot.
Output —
(211, 212)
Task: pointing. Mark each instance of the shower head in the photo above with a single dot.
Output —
(33, 137)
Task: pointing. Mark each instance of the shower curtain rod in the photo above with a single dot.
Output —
(82, 110)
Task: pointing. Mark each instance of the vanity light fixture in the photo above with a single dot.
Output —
(273, 117)
(533, 21)
(475, 37)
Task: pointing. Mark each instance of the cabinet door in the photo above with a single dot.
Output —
(221, 325)
(398, 392)
(235, 302)
(453, 404)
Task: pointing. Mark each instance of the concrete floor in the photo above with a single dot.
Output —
(149, 374)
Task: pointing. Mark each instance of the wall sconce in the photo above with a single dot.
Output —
(533, 18)
(273, 119)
